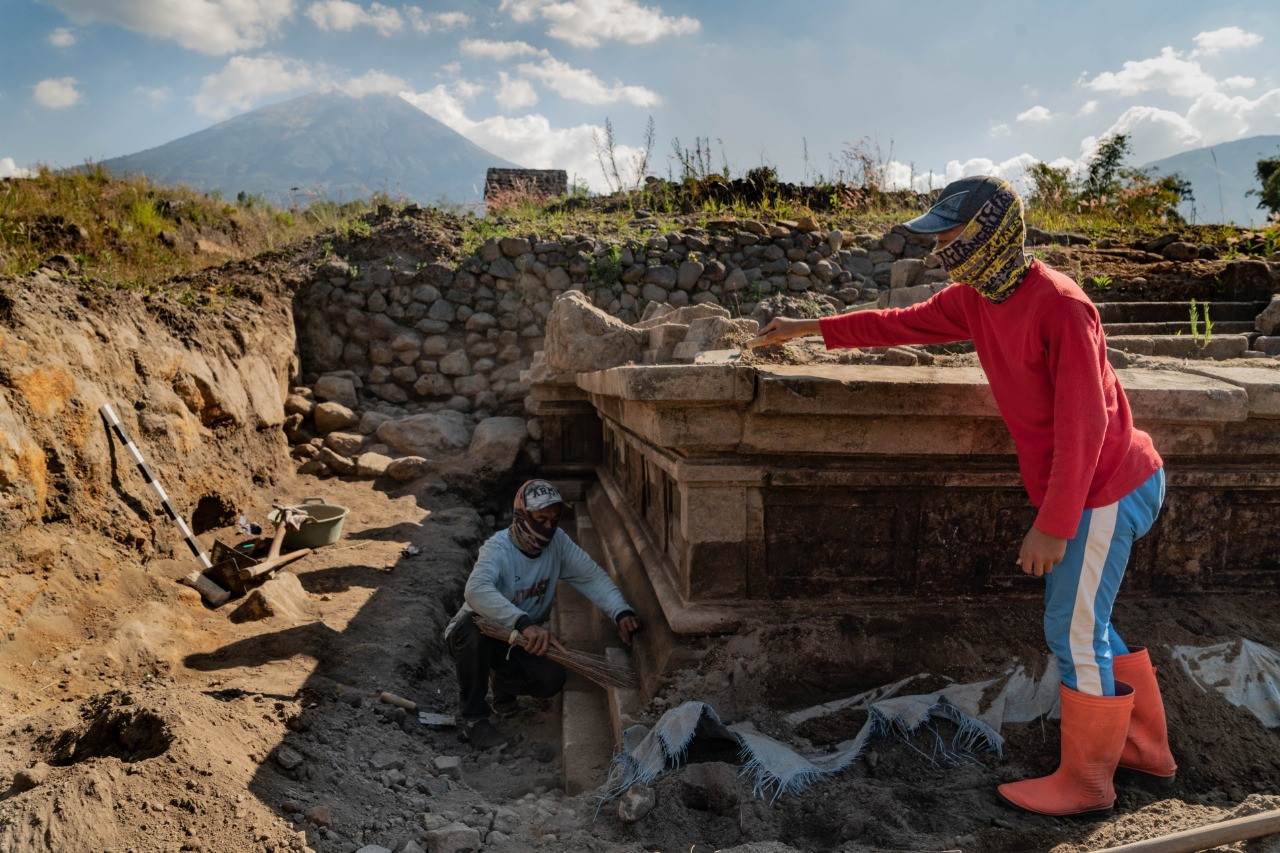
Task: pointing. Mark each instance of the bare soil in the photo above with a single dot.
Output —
(172, 728)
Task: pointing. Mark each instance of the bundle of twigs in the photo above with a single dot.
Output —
(595, 667)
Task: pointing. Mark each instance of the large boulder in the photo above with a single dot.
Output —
(428, 435)
(337, 388)
(582, 338)
(331, 416)
(495, 445)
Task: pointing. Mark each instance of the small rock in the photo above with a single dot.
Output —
(373, 848)
(637, 802)
(287, 758)
(408, 468)
(453, 838)
(319, 815)
(506, 821)
(449, 765)
(434, 786)
(283, 595)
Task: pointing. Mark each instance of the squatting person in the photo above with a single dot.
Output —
(514, 583)
(1096, 482)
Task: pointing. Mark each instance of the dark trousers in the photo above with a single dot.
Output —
(516, 672)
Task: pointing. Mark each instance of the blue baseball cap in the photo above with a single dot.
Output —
(958, 202)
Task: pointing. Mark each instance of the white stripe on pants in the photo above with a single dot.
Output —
(1084, 623)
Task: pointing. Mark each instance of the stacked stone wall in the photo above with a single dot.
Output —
(423, 336)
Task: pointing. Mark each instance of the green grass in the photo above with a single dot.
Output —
(132, 234)
(116, 229)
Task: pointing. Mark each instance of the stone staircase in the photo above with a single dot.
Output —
(1170, 318)
(1164, 328)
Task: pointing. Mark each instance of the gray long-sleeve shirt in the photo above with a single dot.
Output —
(506, 584)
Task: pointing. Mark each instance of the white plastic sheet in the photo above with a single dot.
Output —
(1246, 673)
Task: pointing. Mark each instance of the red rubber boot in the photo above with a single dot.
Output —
(1146, 750)
(1093, 735)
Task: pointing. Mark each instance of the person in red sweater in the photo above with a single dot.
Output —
(1097, 482)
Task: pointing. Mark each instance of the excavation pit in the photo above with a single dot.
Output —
(111, 731)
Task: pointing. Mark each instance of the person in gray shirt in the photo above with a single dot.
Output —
(514, 584)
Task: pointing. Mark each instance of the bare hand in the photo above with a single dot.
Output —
(628, 627)
(1041, 552)
(540, 640)
(782, 329)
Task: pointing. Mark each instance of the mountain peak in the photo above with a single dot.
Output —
(323, 146)
(1221, 176)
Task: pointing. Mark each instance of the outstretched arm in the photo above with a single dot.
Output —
(582, 572)
(937, 320)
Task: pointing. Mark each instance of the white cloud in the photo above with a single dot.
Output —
(61, 37)
(370, 83)
(57, 93)
(1036, 113)
(529, 140)
(10, 169)
(244, 80)
(514, 93)
(467, 90)
(451, 68)
(1218, 117)
(587, 23)
(1088, 108)
(1011, 170)
(1239, 82)
(342, 16)
(426, 22)
(485, 49)
(1227, 38)
(452, 20)
(1168, 72)
(1215, 117)
(1153, 133)
(580, 84)
(209, 26)
(998, 130)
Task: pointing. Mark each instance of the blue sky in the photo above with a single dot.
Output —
(931, 90)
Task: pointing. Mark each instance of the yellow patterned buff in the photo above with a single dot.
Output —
(988, 254)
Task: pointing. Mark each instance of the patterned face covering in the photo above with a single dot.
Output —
(530, 536)
(988, 254)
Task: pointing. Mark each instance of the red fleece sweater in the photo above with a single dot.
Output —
(1045, 357)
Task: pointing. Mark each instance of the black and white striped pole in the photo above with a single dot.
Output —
(212, 593)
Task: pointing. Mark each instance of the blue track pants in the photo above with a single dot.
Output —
(1080, 590)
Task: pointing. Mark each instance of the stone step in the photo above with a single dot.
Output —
(1184, 346)
(1220, 327)
(1162, 312)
